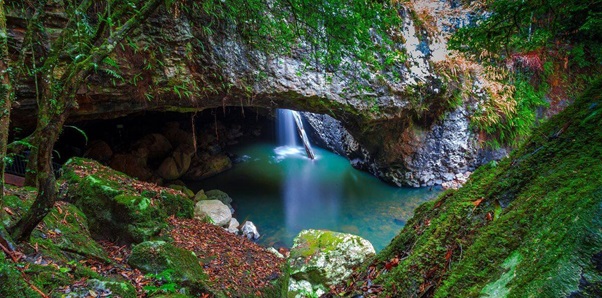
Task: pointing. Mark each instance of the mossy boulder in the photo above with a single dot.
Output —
(324, 258)
(528, 226)
(200, 196)
(159, 256)
(119, 207)
(216, 194)
(65, 231)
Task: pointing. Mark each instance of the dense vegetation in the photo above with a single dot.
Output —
(541, 52)
(528, 226)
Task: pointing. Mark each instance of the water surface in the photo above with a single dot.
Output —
(283, 192)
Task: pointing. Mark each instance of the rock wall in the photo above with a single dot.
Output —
(394, 131)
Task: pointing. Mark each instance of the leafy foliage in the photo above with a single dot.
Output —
(532, 44)
(334, 30)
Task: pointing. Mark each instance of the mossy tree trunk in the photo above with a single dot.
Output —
(5, 97)
(59, 98)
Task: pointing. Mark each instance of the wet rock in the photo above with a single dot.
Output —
(174, 166)
(158, 145)
(324, 258)
(99, 150)
(213, 211)
(208, 165)
(249, 230)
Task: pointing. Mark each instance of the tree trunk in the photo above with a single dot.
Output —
(51, 117)
(5, 98)
(47, 188)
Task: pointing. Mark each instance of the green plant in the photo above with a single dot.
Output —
(164, 282)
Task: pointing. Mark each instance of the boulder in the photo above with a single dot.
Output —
(99, 150)
(115, 208)
(207, 166)
(249, 230)
(213, 211)
(325, 258)
(158, 145)
(233, 226)
(132, 164)
(160, 256)
(174, 166)
(70, 225)
(200, 196)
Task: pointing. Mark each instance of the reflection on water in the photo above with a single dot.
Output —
(284, 192)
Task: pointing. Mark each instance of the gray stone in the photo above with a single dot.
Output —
(250, 231)
(213, 211)
(233, 226)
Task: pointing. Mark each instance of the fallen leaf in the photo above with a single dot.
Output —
(489, 217)
(478, 202)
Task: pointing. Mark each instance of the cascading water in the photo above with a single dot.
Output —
(287, 120)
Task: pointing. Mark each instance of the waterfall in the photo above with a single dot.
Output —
(288, 122)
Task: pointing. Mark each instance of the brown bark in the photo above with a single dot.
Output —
(5, 98)
(47, 188)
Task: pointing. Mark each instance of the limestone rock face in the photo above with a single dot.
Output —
(323, 258)
(215, 211)
(385, 141)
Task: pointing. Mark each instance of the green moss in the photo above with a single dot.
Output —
(216, 194)
(11, 282)
(66, 231)
(158, 256)
(117, 288)
(316, 242)
(48, 278)
(115, 209)
(466, 245)
(18, 201)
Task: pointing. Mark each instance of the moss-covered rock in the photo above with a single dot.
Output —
(528, 226)
(16, 202)
(319, 259)
(216, 194)
(159, 256)
(65, 230)
(119, 207)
